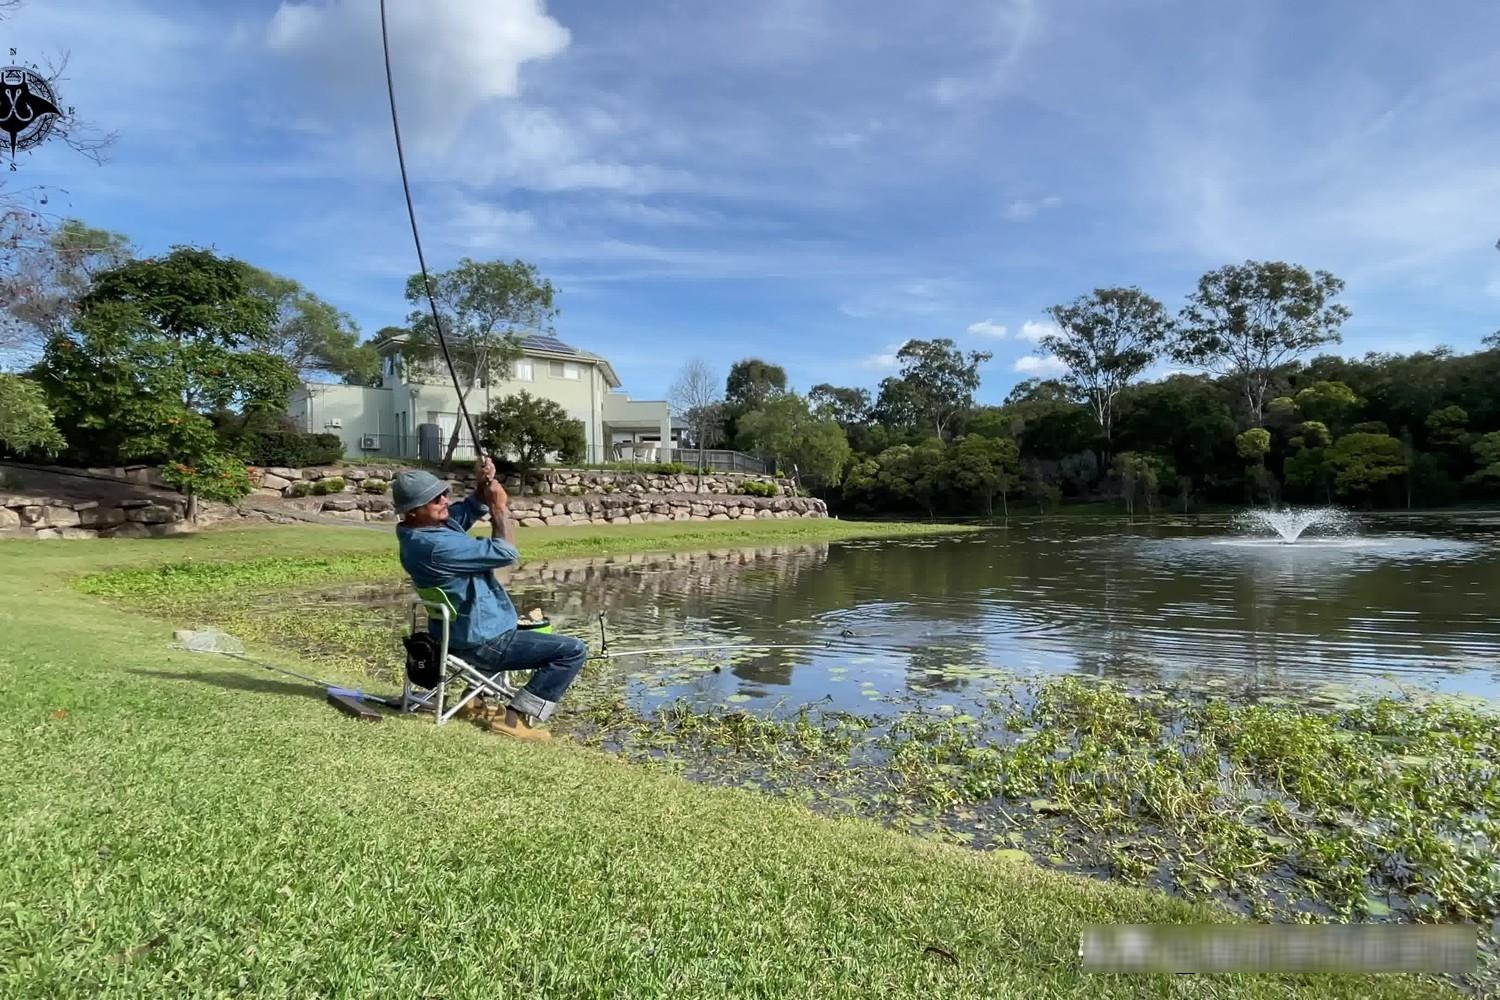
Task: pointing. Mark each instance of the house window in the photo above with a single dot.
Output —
(564, 369)
(525, 371)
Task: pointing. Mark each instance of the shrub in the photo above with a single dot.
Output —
(668, 468)
(284, 446)
(756, 488)
(332, 484)
(373, 485)
(300, 488)
(324, 449)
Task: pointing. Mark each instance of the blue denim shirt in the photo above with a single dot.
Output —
(464, 567)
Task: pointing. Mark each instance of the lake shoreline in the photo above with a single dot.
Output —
(1092, 779)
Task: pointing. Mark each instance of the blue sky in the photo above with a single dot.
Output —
(808, 181)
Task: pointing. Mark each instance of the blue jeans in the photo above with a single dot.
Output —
(555, 660)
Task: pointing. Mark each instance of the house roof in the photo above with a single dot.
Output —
(540, 345)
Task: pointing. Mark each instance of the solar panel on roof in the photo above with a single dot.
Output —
(547, 344)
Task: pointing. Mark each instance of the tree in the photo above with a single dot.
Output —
(787, 429)
(1141, 476)
(906, 475)
(1045, 422)
(991, 422)
(1107, 340)
(530, 428)
(937, 382)
(1329, 403)
(751, 384)
(1253, 446)
(983, 467)
(1487, 456)
(26, 425)
(157, 345)
(1039, 484)
(1308, 469)
(847, 407)
(1246, 321)
(483, 307)
(695, 398)
(898, 406)
(1361, 462)
(45, 274)
(310, 334)
(1448, 428)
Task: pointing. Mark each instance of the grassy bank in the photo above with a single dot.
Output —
(180, 825)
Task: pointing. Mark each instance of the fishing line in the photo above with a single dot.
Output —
(411, 212)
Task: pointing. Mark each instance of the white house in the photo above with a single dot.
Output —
(388, 421)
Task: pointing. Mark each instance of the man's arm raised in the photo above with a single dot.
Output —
(501, 526)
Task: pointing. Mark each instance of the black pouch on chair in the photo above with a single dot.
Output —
(422, 666)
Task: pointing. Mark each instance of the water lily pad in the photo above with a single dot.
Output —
(1377, 908)
(738, 697)
(1011, 854)
(1044, 806)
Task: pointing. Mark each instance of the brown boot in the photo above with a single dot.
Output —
(475, 709)
(514, 725)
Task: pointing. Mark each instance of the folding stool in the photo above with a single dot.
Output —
(437, 606)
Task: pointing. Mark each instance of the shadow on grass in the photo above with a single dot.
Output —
(236, 682)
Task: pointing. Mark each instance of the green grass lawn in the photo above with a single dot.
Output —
(176, 824)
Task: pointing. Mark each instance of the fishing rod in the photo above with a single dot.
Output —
(222, 644)
(411, 212)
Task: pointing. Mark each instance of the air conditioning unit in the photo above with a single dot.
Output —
(370, 442)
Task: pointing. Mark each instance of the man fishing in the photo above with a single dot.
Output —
(437, 551)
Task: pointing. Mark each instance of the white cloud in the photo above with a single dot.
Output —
(1023, 208)
(987, 328)
(1033, 365)
(1034, 331)
(885, 360)
(914, 297)
(1007, 32)
(447, 58)
(1383, 190)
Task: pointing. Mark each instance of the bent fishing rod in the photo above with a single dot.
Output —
(411, 212)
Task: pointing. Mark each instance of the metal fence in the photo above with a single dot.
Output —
(408, 448)
(722, 460)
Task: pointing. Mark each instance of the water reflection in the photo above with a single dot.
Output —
(1182, 602)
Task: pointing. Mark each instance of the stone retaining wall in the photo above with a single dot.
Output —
(279, 481)
(553, 497)
(535, 512)
(53, 517)
(556, 497)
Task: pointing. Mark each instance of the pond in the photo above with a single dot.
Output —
(1206, 605)
(1185, 703)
